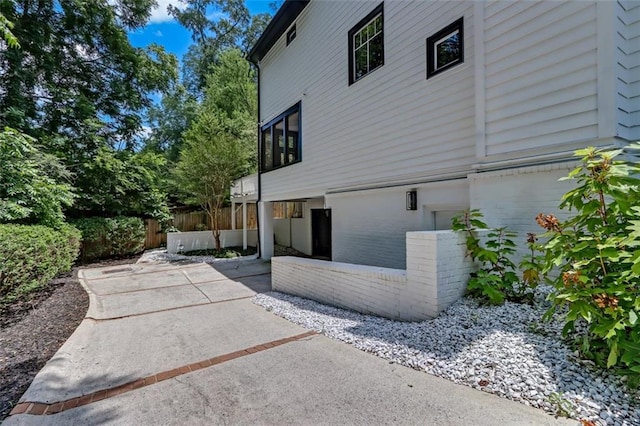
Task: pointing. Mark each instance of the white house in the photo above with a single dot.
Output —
(384, 117)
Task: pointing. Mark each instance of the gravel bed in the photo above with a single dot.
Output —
(505, 350)
(161, 256)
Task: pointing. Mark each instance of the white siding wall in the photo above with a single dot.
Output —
(392, 123)
(628, 69)
(369, 227)
(540, 76)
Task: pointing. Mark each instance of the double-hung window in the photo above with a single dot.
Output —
(280, 140)
(366, 45)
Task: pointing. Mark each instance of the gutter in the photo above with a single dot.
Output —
(257, 65)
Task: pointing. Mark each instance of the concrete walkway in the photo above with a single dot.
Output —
(183, 344)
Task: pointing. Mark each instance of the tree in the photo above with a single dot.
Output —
(169, 120)
(122, 183)
(81, 89)
(33, 187)
(231, 93)
(233, 28)
(211, 160)
(77, 64)
(6, 34)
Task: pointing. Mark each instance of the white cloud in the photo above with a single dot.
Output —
(158, 33)
(160, 14)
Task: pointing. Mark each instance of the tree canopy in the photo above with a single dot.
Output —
(32, 183)
(220, 143)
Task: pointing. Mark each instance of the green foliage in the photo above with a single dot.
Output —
(5, 32)
(233, 27)
(597, 253)
(496, 280)
(210, 161)
(30, 256)
(122, 183)
(32, 183)
(75, 64)
(110, 237)
(219, 146)
(531, 266)
(169, 120)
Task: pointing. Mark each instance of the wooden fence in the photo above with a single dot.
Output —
(192, 221)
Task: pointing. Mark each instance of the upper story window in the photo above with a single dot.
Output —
(291, 34)
(280, 140)
(366, 45)
(445, 48)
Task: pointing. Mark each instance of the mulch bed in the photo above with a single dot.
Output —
(32, 331)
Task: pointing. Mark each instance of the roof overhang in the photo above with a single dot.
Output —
(282, 20)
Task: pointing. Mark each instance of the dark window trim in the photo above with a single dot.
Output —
(431, 66)
(290, 33)
(270, 125)
(378, 10)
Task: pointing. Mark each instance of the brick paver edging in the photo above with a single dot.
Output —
(40, 408)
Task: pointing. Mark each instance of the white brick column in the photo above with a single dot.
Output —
(437, 271)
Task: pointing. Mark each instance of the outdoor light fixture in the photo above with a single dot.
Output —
(412, 200)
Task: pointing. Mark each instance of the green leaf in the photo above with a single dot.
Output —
(613, 356)
(633, 317)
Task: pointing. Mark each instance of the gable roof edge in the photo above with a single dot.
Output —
(282, 20)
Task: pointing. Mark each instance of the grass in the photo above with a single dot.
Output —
(225, 253)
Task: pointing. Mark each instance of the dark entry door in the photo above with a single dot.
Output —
(321, 233)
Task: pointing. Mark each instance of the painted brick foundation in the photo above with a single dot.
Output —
(436, 276)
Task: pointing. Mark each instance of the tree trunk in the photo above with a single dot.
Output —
(216, 236)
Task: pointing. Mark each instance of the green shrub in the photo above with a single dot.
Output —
(30, 256)
(596, 255)
(110, 237)
(496, 279)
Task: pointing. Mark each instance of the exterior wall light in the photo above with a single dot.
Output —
(412, 200)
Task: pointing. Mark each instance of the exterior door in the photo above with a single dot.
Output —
(321, 233)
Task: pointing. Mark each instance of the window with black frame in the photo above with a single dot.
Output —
(280, 140)
(445, 49)
(366, 45)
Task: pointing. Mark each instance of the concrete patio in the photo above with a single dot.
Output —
(183, 344)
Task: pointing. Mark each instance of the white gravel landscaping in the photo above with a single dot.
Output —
(505, 350)
(161, 256)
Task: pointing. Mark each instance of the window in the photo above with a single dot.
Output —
(445, 48)
(291, 34)
(280, 140)
(366, 45)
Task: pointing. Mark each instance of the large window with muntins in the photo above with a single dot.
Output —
(366, 45)
(280, 140)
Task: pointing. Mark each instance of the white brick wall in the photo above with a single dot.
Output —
(203, 240)
(436, 277)
(514, 197)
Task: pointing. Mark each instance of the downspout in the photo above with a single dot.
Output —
(259, 157)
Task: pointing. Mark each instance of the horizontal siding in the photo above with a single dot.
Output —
(540, 75)
(628, 69)
(392, 123)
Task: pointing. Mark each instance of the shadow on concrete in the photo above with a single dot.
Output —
(474, 327)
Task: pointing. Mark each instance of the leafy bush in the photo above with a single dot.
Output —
(30, 256)
(497, 280)
(33, 185)
(110, 237)
(597, 253)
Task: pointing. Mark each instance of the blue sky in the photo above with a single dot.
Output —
(165, 31)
